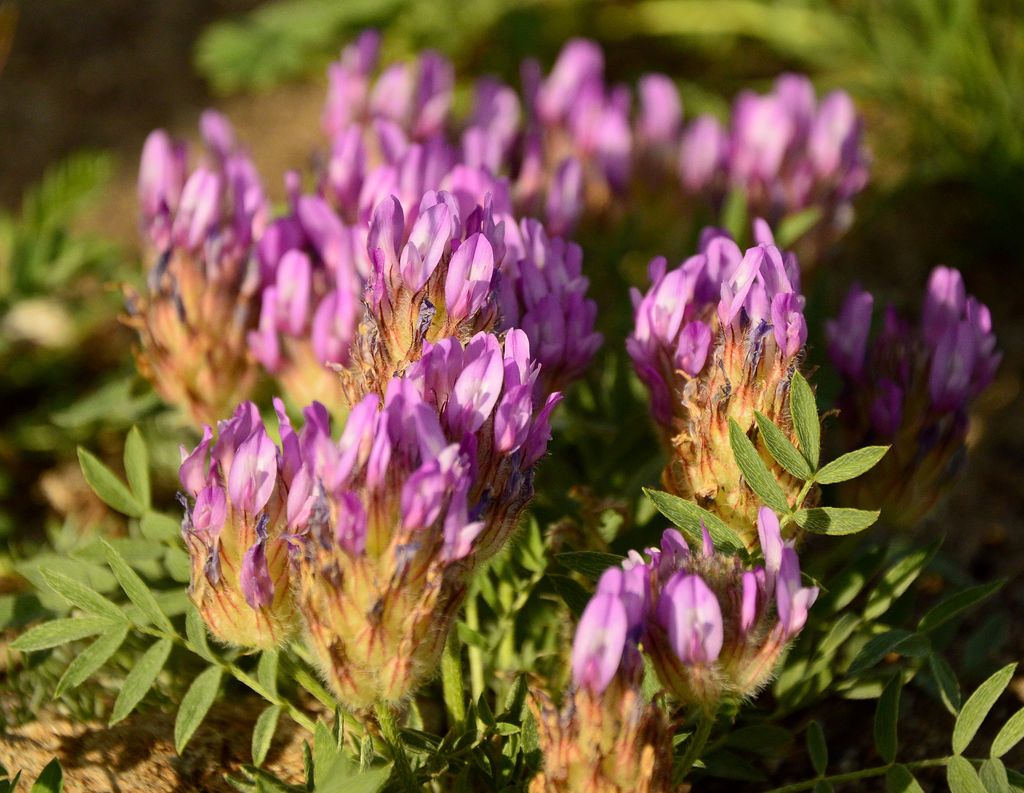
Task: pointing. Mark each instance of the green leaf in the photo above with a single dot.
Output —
(886, 717)
(266, 670)
(899, 780)
(91, 659)
(784, 452)
(949, 607)
(687, 516)
(962, 777)
(945, 682)
(977, 706)
(325, 749)
(879, 647)
(60, 631)
(570, 591)
(86, 598)
(195, 632)
(762, 739)
(263, 733)
(160, 527)
(850, 465)
(817, 748)
(1010, 734)
(755, 472)
(343, 777)
(136, 590)
(823, 786)
(195, 705)
(994, 776)
(589, 563)
(896, 580)
(794, 225)
(50, 780)
(734, 213)
(804, 411)
(835, 521)
(107, 486)
(178, 565)
(136, 466)
(140, 679)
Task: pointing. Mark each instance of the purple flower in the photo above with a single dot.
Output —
(784, 150)
(210, 511)
(912, 386)
(678, 322)
(543, 291)
(161, 180)
(770, 537)
(599, 643)
(792, 599)
(848, 334)
(944, 303)
(257, 586)
(661, 111)
(253, 473)
(703, 154)
(236, 529)
(693, 346)
(468, 282)
(708, 622)
(579, 67)
(689, 612)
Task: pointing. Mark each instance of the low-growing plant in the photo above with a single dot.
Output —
(448, 576)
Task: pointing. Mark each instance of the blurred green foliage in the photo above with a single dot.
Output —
(940, 78)
(59, 336)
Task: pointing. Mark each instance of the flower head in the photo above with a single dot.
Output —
(423, 486)
(912, 387)
(714, 340)
(784, 150)
(238, 492)
(201, 297)
(714, 627)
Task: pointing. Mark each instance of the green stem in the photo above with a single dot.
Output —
(696, 744)
(451, 681)
(476, 659)
(389, 730)
(803, 493)
(866, 773)
(242, 677)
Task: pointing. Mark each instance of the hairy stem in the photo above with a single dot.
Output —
(696, 744)
(389, 730)
(476, 659)
(451, 680)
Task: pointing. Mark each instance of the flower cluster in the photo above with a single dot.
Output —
(202, 292)
(609, 742)
(577, 146)
(784, 150)
(237, 530)
(912, 387)
(715, 339)
(310, 301)
(712, 627)
(374, 120)
(384, 526)
(566, 145)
